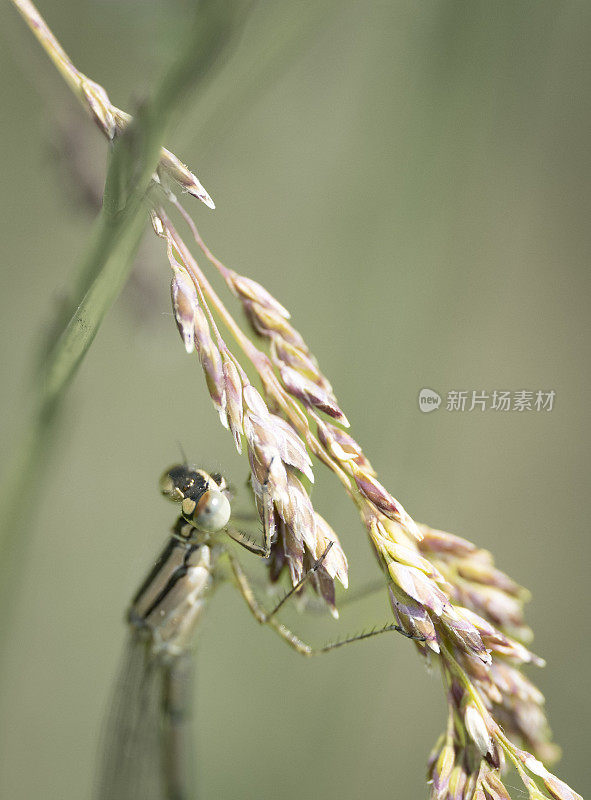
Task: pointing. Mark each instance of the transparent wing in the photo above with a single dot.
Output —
(146, 743)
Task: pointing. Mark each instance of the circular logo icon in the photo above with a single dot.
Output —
(429, 400)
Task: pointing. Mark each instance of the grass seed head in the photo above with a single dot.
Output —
(442, 769)
(476, 727)
(311, 394)
(211, 363)
(181, 175)
(457, 783)
(557, 788)
(248, 290)
(233, 394)
(335, 562)
(184, 306)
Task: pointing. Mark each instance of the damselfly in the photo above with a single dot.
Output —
(147, 747)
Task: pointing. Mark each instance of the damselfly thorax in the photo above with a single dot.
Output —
(171, 600)
(148, 751)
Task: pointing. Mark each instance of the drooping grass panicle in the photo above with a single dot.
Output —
(442, 588)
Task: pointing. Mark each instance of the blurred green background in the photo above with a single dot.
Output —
(412, 181)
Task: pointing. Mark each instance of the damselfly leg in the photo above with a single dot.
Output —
(268, 618)
(264, 550)
(148, 750)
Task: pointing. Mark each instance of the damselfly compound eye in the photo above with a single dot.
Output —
(212, 511)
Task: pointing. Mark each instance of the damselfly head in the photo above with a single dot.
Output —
(205, 504)
(182, 481)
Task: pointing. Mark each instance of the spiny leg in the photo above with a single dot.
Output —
(302, 581)
(249, 544)
(264, 550)
(283, 631)
(364, 591)
(368, 635)
(314, 605)
(258, 611)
